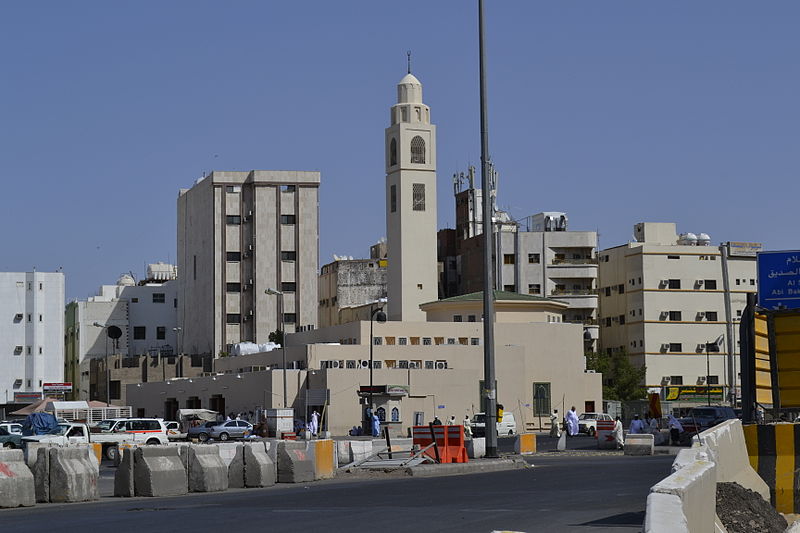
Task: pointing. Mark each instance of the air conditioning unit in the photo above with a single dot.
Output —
(701, 379)
(17, 349)
(441, 365)
(351, 363)
(403, 364)
(414, 364)
(18, 317)
(364, 363)
(663, 315)
(333, 363)
(429, 365)
(701, 314)
(665, 346)
(701, 347)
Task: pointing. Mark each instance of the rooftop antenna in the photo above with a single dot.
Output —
(408, 53)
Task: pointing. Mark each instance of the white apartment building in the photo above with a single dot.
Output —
(31, 333)
(239, 234)
(671, 303)
(146, 313)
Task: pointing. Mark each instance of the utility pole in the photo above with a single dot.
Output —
(489, 391)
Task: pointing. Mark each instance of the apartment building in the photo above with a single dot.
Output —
(671, 301)
(31, 334)
(239, 234)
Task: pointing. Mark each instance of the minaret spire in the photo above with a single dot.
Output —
(408, 53)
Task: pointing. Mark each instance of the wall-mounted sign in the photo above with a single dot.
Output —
(744, 249)
(27, 397)
(694, 393)
(57, 387)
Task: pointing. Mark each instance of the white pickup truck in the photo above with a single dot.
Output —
(112, 432)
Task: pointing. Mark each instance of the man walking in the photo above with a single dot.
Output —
(572, 422)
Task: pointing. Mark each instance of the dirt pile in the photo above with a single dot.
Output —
(745, 511)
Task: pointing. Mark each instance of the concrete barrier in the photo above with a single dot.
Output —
(726, 447)
(323, 453)
(41, 473)
(16, 480)
(259, 469)
(158, 471)
(31, 451)
(226, 450)
(207, 471)
(73, 478)
(294, 463)
(97, 450)
(685, 501)
(476, 447)
(236, 469)
(123, 477)
(525, 443)
(639, 444)
(773, 451)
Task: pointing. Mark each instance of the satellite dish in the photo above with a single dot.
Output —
(114, 332)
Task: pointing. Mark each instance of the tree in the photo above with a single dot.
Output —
(276, 337)
(621, 379)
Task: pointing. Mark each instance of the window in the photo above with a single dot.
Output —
(621, 320)
(509, 288)
(508, 259)
(233, 256)
(621, 288)
(139, 333)
(541, 399)
(675, 316)
(737, 281)
(418, 150)
(194, 267)
(402, 341)
(711, 316)
(114, 389)
(676, 380)
(393, 198)
(288, 188)
(675, 347)
(233, 189)
(233, 220)
(41, 286)
(713, 380)
(534, 258)
(457, 318)
(752, 281)
(233, 287)
(161, 333)
(40, 350)
(608, 291)
(710, 284)
(40, 318)
(474, 341)
(426, 341)
(674, 284)
(470, 318)
(377, 341)
(418, 200)
(395, 410)
(159, 298)
(29, 317)
(392, 152)
(673, 257)
(451, 340)
(134, 300)
(288, 256)
(288, 286)
(289, 318)
(608, 322)
(233, 318)
(288, 219)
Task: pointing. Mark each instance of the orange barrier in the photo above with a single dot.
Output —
(605, 434)
(449, 443)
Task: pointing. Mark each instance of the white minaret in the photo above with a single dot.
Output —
(411, 203)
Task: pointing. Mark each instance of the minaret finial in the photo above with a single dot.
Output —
(409, 61)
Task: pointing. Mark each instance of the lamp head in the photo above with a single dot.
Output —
(380, 316)
(273, 292)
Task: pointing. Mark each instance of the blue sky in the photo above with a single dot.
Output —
(616, 112)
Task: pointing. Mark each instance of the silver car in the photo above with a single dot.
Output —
(231, 429)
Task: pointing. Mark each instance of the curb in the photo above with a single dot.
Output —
(479, 466)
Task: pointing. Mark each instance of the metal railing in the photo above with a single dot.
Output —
(573, 292)
(565, 261)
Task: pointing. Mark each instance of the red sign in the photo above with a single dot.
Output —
(57, 387)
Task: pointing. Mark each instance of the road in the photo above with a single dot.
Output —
(561, 493)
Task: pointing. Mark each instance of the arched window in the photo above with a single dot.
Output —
(418, 150)
(381, 412)
(395, 414)
(393, 153)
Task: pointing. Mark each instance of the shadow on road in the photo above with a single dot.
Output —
(623, 519)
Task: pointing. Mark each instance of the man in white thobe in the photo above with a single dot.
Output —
(313, 426)
(572, 422)
(619, 437)
(555, 430)
(467, 427)
(637, 426)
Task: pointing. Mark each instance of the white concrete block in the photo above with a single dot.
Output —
(696, 486)
(665, 514)
(639, 444)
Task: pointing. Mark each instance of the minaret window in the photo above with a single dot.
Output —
(393, 196)
(393, 153)
(418, 150)
(418, 192)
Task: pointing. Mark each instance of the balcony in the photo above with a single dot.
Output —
(573, 292)
(565, 261)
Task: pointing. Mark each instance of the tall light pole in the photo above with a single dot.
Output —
(279, 294)
(489, 386)
(375, 313)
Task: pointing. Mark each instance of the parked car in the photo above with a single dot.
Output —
(12, 427)
(231, 429)
(10, 440)
(587, 422)
(507, 427)
(174, 431)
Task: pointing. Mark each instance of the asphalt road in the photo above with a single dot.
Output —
(561, 493)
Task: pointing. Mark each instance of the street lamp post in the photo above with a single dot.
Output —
(375, 313)
(279, 294)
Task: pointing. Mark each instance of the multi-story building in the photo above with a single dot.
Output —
(145, 313)
(31, 333)
(239, 234)
(670, 302)
(346, 284)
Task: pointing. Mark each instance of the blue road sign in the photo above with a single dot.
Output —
(779, 280)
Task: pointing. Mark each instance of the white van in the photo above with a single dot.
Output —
(507, 427)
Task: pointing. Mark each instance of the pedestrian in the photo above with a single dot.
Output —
(376, 425)
(313, 426)
(452, 420)
(467, 427)
(572, 422)
(637, 426)
(555, 431)
(675, 430)
(436, 421)
(619, 437)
